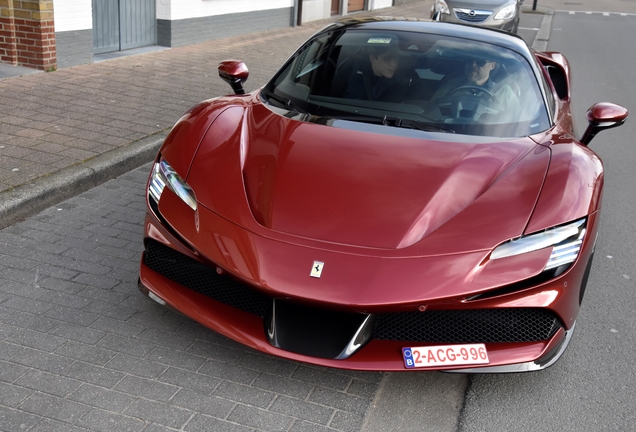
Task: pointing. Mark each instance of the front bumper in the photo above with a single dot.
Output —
(244, 313)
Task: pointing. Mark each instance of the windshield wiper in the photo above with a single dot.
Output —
(285, 102)
(414, 124)
(395, 122)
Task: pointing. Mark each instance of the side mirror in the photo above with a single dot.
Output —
(603, 115)
(234, 73)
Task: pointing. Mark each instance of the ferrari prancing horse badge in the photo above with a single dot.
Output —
(316, 270)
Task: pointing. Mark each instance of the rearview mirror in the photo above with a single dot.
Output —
(234, 73)
(603, 115)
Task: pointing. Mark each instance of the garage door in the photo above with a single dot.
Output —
(123, 24)
(355, 5)
(335, 7)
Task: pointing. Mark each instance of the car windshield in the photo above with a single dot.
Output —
(414, 80)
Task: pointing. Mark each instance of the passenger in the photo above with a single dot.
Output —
(379, 79)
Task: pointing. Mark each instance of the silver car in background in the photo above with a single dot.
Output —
(497, 14)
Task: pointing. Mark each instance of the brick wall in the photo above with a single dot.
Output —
(27, 33)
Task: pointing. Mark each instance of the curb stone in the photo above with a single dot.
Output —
(32, 197)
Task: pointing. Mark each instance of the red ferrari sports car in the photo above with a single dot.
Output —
(402, 195)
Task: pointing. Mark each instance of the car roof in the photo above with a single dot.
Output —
(495, 37)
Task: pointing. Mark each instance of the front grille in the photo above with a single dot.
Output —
(468, 326)
(472, 16)
(440, 326)
(204, 279)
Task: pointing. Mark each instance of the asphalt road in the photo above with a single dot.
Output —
(593, 386)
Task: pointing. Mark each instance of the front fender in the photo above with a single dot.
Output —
(573, 187)
(186, 135)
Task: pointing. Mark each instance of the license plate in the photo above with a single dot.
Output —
(445, 355)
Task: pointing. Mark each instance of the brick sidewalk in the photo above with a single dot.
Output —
(51, 123)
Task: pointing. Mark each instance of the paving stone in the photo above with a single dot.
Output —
(62, 285)
(228, 372)
(103, 295)
(244, 394)
(54, 407)
(55, 385)
(30, 321)
(155, 316)
(78, 333)
(341, 400)
(37, 340)
(117, 311)
(363, 389)
(160, 413)
(14, 420)
(71, 316)
(286, 386)
(304, 426)
(48, 425)
(133, 347)
(86, 353)
(165, 339)
(146, 388)
(209, 405)
(27, 304)
(321, 376)
(6, 330)
(12, 395)
(41, 360)
(347, 422)
(205, 423)
(179, 359)
(99, 282)
(260, 419)
(132, 365)
(301, 409)
(271, 364)
(100, 397)
(64, 299)
(191, 380)
(117, 327)
(217, 352)
(103, 421)
(93, 374)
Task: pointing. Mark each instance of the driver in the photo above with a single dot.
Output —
(477, 74)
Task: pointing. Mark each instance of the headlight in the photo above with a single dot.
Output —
(506, 13)
(442, 7)
(566, 241)
(163, 175)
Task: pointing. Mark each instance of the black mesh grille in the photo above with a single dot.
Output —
(477, 17)
(468, 326)
(204, 280)
(445, 326)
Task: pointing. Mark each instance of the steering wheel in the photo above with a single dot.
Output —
(473, 90)
(466, 104)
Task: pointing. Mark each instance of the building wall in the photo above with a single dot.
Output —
(316, 10)
(380, 4)
(71, 15)
(320, 9)
(174, 33)
(27, 37)
(185, 9)
(179, 22)
(183, 22)
(73, 32)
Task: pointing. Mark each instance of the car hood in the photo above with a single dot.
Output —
(366, 185)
